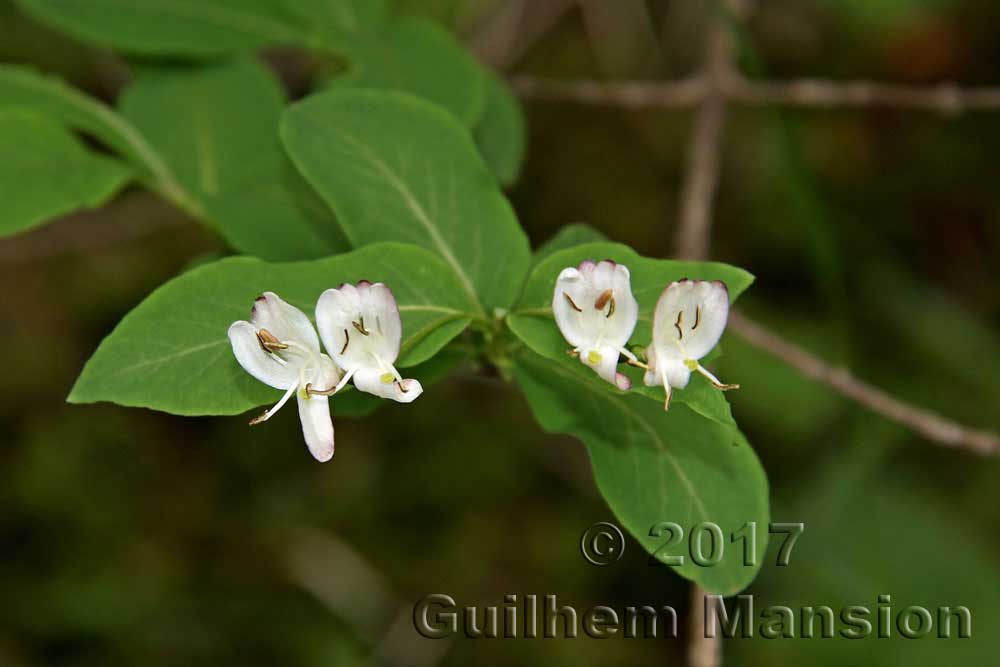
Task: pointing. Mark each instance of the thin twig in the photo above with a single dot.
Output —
(703, 651)
(683, 93)
(932, 426)
(946, 98)
(695, 220)
(515, 28)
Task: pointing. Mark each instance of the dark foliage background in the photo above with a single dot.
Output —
(132, 537)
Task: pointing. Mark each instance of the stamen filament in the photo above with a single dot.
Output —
(666, 388)
(714, 380)
(277, 406)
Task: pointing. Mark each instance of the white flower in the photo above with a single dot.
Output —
(279, 347)
(687, 323)
(361, 330)
(596, 313)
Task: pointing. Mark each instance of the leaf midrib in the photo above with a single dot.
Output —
(661, 445)
(421, 215)
(700, 508)
(146, 154)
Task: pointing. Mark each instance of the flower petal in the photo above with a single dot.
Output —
(358, 324)
(317, 425)
(284, 321)
(678, 375)
(381, 303)
(566, 309)
(323, 376)
(593, 305)
(689, 318)
(622, 322)
(604, 360)
(373, 381)
(258, 363)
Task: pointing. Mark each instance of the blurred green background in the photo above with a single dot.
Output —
(133, 537)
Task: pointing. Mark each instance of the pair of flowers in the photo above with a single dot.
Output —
(360, 328)
(596, 313)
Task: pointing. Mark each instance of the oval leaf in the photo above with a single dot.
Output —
(217, 128)
(417, 57)
(394, 167)
(21, 87)
(654, 467)
(171, 353)
(500, 132)
(46, 172)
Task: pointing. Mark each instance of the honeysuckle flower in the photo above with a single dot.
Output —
(279, 347)
(687, 323)
(361, 329)
(596, 314)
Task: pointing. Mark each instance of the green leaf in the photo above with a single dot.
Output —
(654, 467)
(394, 167)
(46, 172)
(569, 236)
(217, 129)
(337, 20)
(531, 320)
(21, 87)
(193, 28)
(500, 132)
(417, 57)
(172, 353)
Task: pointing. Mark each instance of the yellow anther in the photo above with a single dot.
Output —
(691, 364)
(387, 378)
(594, 357)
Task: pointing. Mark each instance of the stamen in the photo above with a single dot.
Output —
(677, 324)
(637, 364)
(570, 299)
(268, 413)
(319, 392)
(666, 388)
(714, 380)
(386, 378)
(402, 388)
(360, 326)
(697, 317)
(573, 353)
(594, 357)
(347, 339)
(268, 341)
(603, 299)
